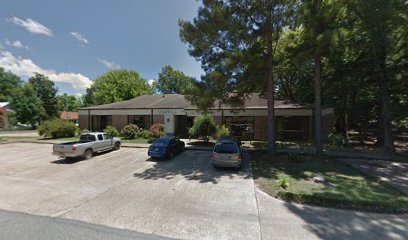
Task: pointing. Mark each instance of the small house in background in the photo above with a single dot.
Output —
(70, 116)
(5, 106)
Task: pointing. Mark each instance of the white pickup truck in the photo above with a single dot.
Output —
(88, 144)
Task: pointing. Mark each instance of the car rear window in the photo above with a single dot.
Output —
(162, 142)
(87, 138)
(226, 148)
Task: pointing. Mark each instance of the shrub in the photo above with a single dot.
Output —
(111, 131)
(284, 182)
(156, 131)
(84, 131)
(131, 131)
(145, 134)
(203, 127)
(57, 128)
(339, 140)
(222, 131)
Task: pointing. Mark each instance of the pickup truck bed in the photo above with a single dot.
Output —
(88, 144)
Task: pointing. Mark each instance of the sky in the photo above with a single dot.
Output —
(74, 41)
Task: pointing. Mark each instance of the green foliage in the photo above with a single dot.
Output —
(203, 127)
(28, 107)
(68, 103)
(45, 89)
(9, 82)
(111, 131)
(84, 131)
(131, 131)
(173, 81)
(156, 131)
(284, 182)
(293, 157)
(339, 140)
(222, 131)
(116, 86)
(145, 134)
(57, 128)
(81, 131)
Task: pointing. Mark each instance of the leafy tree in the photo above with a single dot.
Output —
(68, 103)
(203, 127)
(236, 43)
(27, 106)
(383, 24)
(45, 89)
(116, 86)
(173, 81)
(8, 84)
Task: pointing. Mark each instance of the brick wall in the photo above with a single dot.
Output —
(119, 121)
(261, 128)
(83, 121)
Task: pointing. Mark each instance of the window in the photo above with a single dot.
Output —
(140, 121)
(226, 148)
(100, 137)
(107, 136)
(292, 128)
(87, 138)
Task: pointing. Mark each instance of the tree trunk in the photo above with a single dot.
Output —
(271, 90)
(385, 108)
(317, 88)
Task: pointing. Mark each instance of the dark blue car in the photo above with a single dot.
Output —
(165, 147)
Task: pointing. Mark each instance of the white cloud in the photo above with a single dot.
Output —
(15, 44)
(108, 64)
(79, 37)
(150, 82)
(26, 67)
(31, 26)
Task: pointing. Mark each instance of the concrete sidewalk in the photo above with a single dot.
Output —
(285, 220)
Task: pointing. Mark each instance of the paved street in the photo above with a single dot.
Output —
(124, 195)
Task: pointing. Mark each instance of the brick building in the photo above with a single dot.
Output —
(294, 121)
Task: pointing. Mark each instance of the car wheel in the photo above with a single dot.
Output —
(116, 147)
(171, 155)
(88, 154)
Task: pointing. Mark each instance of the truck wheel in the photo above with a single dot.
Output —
(116, 146)
(88, 154)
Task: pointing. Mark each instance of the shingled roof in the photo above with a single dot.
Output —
(177, 101)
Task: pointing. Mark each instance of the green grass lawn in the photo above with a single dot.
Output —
(347, 188)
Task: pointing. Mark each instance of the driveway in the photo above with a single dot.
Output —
(124, 195)
(180, 198)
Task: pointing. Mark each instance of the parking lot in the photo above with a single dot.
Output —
(180, 198)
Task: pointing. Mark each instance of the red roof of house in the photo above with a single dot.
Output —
(69, 115)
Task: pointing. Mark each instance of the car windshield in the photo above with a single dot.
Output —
(162, 142)
(87, 138)
(226, 148)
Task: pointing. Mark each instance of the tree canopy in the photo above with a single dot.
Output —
(173, 81)
(360, 46)
(9, 82)
(27, 106)
(115, 86)
(47, 92)
(68, 103)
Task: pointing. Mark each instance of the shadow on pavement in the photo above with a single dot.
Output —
(193, 165)
(343, 224)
